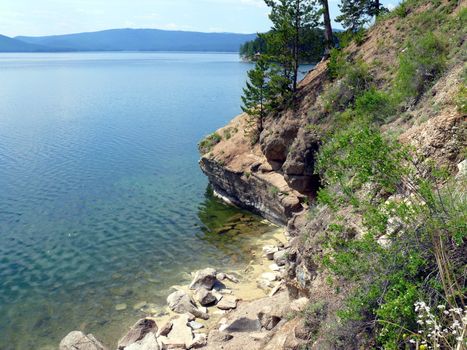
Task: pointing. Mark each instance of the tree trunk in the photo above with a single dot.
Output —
(296, 44)
(327, 28)
(377, 8)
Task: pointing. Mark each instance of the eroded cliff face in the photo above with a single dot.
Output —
(241, 174)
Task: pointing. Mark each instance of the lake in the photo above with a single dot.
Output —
(101, 198)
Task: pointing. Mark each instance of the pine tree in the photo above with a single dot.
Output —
(257, 94)
(290, 18)
(356, 13)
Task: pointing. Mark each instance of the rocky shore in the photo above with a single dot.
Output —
(218, 310)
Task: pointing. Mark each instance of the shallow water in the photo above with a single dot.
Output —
(101, 198)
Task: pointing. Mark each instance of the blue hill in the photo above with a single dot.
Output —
(142, 40)
(8, 44)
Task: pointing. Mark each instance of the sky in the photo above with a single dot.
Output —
(53, 17)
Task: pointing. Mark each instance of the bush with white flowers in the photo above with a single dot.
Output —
(442, 328)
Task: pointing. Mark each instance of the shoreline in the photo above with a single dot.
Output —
(247, 289)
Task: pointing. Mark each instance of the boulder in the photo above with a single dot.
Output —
(205, 297)
(180, 302)
(228, 302)
(204, 278)
(269, 250)
(219, 336)
(269, 276)
(138, 332)
(231, 278)
(221, 276)
(200, 340)
(243, 324)
(195, 325)
(280, 257)
(269, 317)
(164, 330)
(149, 342)
(274, 267)
(264, 284)
(181, 333)
(79, 341)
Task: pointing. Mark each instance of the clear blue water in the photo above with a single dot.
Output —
(101, 198)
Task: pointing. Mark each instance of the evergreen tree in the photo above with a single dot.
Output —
(291, 19)
(356, 13)
(257, 94)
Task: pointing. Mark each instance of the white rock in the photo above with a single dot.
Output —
(181, 334)
(149, 342)
(274, 267)
(269, 276)
(200, 340)
(228, 302)
(269, 250)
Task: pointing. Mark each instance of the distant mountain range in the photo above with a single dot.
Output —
(128, 40)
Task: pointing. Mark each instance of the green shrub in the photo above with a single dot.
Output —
(274, 191)
(342, 94)
(208, 143)
(423, 259)
(375, 105)
(461, 100)
(336, 64)
(401, 10)
(420, 65)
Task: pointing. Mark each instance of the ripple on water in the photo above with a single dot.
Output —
(101, 198)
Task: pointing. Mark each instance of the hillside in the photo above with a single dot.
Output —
(143, 40)
(367, 172)
(14, 45)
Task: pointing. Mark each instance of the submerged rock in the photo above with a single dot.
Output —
(120, 307)
(204, 278)
(79, 341)
(137, 332)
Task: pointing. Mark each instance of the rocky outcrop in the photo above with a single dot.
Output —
(240, 173)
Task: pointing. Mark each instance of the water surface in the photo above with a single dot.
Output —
(101, 198)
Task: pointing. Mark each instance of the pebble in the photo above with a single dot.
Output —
(120, 307)
(139, 305)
